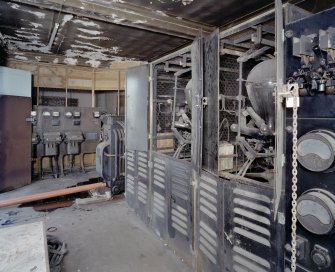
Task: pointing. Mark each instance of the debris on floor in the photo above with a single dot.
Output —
(57, 250)
(97, 195)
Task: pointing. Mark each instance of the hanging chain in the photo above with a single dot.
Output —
(294, 180)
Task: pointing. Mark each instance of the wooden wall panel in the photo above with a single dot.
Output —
(52, 76)
(73, 77)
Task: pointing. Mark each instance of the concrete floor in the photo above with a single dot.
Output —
(101, 237)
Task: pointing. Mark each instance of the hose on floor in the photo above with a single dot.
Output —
(57, 250)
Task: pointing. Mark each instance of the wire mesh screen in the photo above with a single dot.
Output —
(164, 100)
(228, 105)
(229, 92)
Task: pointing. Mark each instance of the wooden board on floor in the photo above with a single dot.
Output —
(24, 248)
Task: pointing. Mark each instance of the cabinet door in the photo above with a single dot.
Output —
(15, 142)
(197, 93)
(210, 104)
(137, 86)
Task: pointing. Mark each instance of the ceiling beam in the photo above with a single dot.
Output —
(126, 15)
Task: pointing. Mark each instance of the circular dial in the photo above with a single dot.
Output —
(68, 114)
(316, 211)
(316, 150)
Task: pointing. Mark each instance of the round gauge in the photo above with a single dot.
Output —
(316, 150)
(46, 113)
(316, 211)
(68, 114)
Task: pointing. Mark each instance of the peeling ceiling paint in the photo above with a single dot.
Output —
(66, 18)
(38, 14)
(70, 61)
(86, 23)
(77, 39)
(93, 38)
(93, 63)
(88, 31)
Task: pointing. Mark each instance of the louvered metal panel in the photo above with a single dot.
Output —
(209, 223)
(142, 189)
(249, 228)
(131, 178)
(180, 207)
(159, 203)
(172, 204)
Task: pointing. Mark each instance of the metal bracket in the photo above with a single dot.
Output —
(204, 101)
(31, 120)
(281, 218)
(150, 164)
(287, 92)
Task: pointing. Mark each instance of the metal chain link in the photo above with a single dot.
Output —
(294, 181)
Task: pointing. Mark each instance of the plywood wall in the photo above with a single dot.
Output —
(74, 77)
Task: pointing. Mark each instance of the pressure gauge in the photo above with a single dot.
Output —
(96, 114)
(46, 113)
(55, 113)
(68, 114)
(316, 211)
(316, 150)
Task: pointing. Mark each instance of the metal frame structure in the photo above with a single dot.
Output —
(219, 221)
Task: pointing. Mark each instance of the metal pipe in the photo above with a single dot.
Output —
(47, 195)
(53, 36)
(51, 165)
(70, 162)
(118, 93)
(174, 100)
(240, 86)
(56, 166)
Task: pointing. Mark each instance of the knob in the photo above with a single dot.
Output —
(320, 257)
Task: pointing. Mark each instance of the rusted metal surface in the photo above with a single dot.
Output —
(53, 205)
(15, 142)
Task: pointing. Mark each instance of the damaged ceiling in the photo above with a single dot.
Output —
(98, 33)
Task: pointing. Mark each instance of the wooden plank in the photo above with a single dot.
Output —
(24, 248)
(53, 77)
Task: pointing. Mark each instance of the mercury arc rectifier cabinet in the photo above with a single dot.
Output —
(310, 68)
(15, 131)
(110, 152)
(230, 145)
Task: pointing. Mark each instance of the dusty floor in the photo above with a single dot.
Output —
(102, 237)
